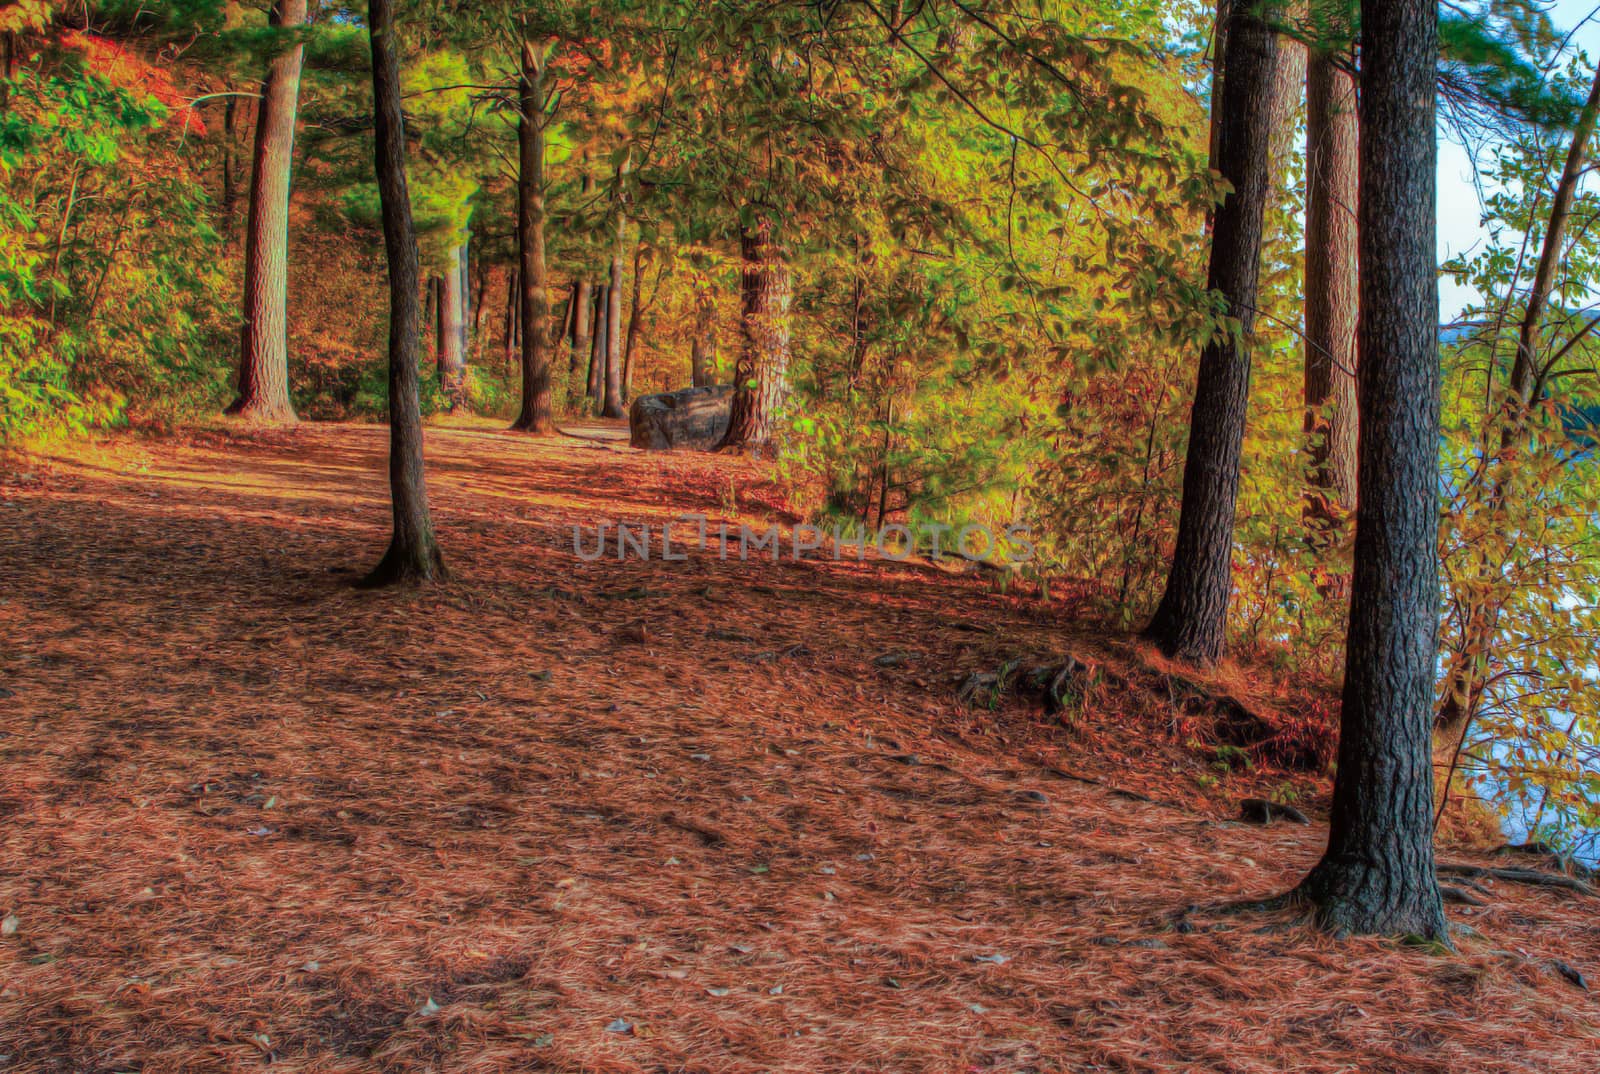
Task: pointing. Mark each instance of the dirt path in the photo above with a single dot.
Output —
(622, 816)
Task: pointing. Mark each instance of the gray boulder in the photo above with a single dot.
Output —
(694, 418)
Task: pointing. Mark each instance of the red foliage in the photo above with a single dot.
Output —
(128, 71)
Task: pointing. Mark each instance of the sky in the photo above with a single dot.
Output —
(1460, 211)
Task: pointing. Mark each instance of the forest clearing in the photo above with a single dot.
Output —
(254, 816)
(799, 535)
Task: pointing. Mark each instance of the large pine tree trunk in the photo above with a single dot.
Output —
(1191, 621)
(1331, 281)
(452, 352)
(761, 372)
(264, 337)
(611, 405)
(1377, 875)
(535, 416)
(413, 554)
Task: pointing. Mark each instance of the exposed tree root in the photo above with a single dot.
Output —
(1519, 876)
(1271, 738)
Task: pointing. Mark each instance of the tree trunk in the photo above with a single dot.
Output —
(611, 406)
(413, 555)
(598, 346)
(1524, 379)
(475, 347)
(1288, 90)
(1467, 676)
(452, 352)
(703, 347)
(582, 318)
(1331, 295)
(1191, 621)
(230, 187)
(536, 416)
(635, 308)
(464, 269)
(432, 323)
(1219, 45)
(264, 337)
(1377, 875)
(510, 349)
(761, 372)
(562, 337)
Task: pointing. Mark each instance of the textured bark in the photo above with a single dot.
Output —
(582, 318)
(452, 351)
(264, 337)
(1377, 875)
(413, 554)
(611, 406)
(1191, 620)
(1288, 91)
(1331, 298)
(536, 413)
(703, 346)
(761, 372)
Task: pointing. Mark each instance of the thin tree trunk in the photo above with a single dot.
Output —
(230, 191)
(8, 66)
(465, 269)
(452, 335)
(611, 406)
(1191, 621)
(598, 346)
(536, 415)
(703, 346)
(413, 554)
(564, 336)
(510, 349)
(1377, 875)
(433, 340)
(858, 318)
(1331, 279)
(1524, 369)
(634, 306)
(1219, 45)
(478, 304)
(264, 337)
(761, 372)
(1467, 676)
(582, 318)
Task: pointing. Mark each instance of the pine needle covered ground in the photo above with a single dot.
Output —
(692, 816)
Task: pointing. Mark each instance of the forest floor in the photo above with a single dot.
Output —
(634, 816)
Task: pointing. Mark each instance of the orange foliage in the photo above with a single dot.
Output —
(128, 71)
